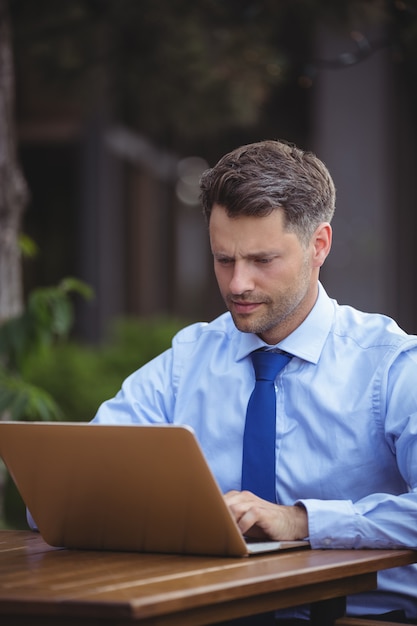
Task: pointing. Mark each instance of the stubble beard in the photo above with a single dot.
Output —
(275, 316)
(263, 321)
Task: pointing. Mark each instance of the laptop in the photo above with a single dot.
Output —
(144, 488)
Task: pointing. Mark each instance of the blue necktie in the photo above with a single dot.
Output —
(258, 465)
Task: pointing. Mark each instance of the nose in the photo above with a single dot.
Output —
(242, 280)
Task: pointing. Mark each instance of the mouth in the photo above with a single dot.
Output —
(242, 307)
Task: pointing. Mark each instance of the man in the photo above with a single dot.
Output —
(345, 401)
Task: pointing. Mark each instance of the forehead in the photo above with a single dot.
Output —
(247, 230)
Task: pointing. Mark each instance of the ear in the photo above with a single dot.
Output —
(321, 242)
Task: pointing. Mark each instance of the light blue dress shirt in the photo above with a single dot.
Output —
(346, 441)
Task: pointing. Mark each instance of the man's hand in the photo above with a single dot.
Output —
(260, 519)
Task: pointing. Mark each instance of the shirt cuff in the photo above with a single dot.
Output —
(331, 524)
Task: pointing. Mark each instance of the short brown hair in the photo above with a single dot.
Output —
(257, 178)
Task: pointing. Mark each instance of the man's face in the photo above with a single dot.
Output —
(267, 278)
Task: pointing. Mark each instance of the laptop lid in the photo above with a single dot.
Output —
(145, 488)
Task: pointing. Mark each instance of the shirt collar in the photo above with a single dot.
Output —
(307, 341)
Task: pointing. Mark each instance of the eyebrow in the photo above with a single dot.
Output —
(250, 256)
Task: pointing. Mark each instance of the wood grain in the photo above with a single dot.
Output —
(39, 584)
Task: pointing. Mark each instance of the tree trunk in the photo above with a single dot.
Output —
(13, 190)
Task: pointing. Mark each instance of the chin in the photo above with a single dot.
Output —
(243, 325)
(247, 326)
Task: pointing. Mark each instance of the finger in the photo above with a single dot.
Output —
(251, 522)
(231, 495)
(244, 498)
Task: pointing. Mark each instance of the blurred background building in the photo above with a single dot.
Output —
(122, 103)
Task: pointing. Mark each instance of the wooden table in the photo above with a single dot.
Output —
(40, 585)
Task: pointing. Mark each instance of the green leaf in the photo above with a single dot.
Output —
(70, 283)
(28, 246)
(23, 401)
(48, 315)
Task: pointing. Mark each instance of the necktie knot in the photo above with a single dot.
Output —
(267, 364)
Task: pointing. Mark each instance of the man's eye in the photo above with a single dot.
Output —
(224, 261)
(264, 260)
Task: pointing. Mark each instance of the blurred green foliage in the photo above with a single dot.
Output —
(79, 377)
(47, 316)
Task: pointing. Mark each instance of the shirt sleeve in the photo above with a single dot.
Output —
(146, 396)
(379, 520)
